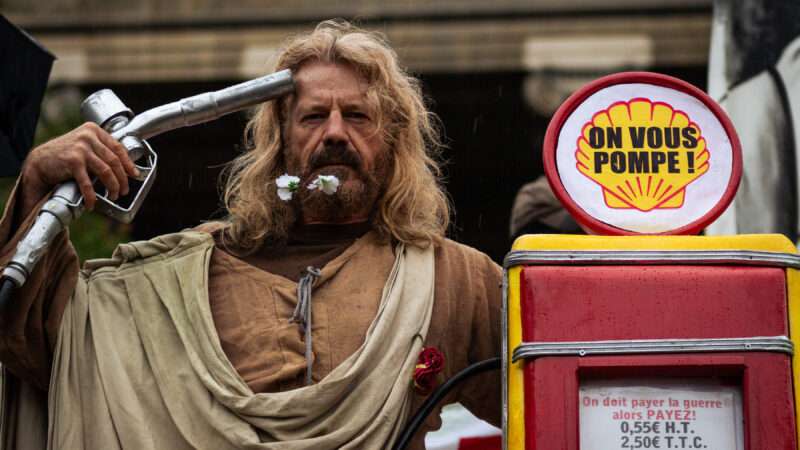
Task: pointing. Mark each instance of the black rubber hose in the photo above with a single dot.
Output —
(7, 287)
(437, 396)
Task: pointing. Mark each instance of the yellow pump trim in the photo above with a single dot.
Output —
(516, 388)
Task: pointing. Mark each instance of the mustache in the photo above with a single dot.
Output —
(335, 154)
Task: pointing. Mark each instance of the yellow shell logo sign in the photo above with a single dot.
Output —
(643, 154)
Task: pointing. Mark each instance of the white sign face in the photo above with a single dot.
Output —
(660, 414)
(644, 158)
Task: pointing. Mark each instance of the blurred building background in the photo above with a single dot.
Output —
(494, 72)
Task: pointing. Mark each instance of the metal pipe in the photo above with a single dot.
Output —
(207, 106)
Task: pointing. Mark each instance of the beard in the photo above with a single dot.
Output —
(358, 191)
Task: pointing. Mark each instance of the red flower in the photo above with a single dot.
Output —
(429, 363)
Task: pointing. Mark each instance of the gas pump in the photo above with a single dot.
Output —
(643, 335)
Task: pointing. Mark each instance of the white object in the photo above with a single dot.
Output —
(647, 413)
(287, 185)
(326, 183)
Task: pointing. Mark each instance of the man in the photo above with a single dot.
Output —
(291, 324)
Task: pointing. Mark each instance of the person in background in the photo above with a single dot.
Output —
(536, 210)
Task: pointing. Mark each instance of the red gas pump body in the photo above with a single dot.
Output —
(597, 303)
(598, 326)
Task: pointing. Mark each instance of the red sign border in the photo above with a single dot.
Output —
(594, 225)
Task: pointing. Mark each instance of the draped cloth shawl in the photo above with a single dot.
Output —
(138, 363)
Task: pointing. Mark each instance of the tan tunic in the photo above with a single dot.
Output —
(251, 308)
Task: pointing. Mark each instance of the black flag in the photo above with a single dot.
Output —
(24, 70)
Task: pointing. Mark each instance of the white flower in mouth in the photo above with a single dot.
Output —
(287, 185)
(326, 183)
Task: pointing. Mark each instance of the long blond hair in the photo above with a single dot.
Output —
(414, 208)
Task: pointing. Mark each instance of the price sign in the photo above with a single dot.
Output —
(646, 414)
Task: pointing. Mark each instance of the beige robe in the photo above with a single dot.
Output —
(465, 322)
(138, 363)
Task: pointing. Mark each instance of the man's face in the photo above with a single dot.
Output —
(332, 131)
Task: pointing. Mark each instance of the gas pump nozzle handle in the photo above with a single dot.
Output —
(105, 109)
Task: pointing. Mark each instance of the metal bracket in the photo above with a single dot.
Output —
(651, 257)
(533, 350)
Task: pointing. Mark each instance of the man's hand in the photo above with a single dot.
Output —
(82, 153)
